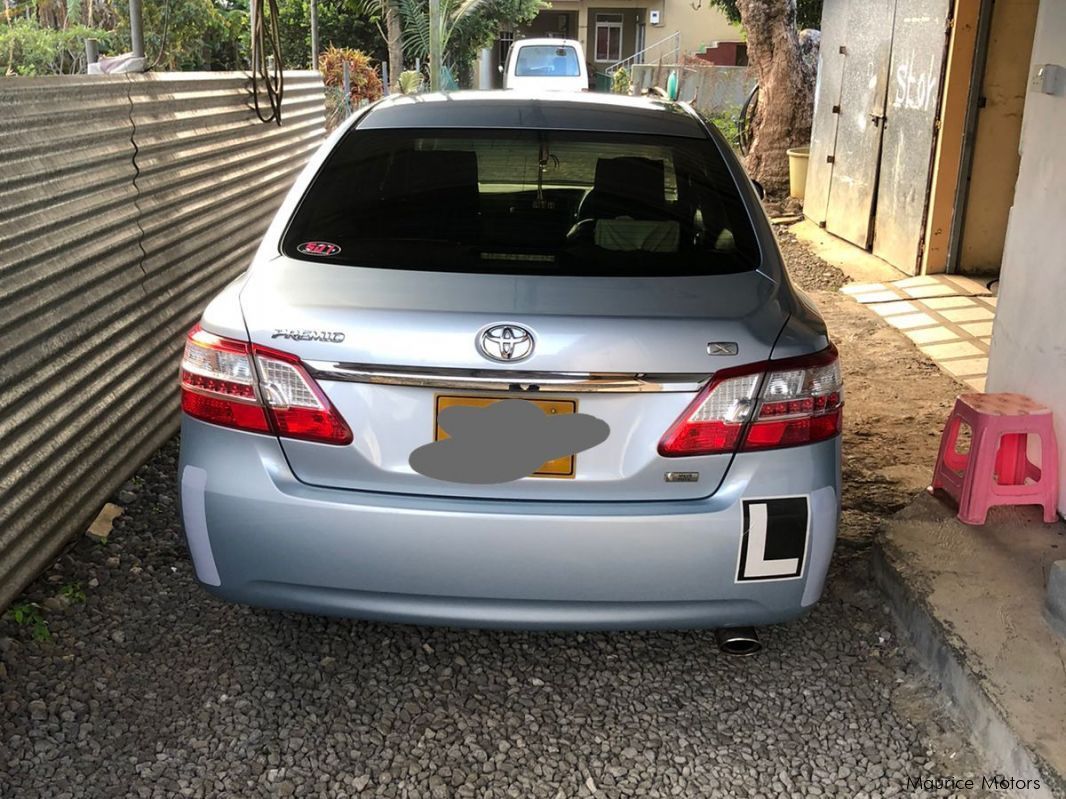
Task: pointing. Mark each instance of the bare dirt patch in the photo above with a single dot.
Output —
(896, 399)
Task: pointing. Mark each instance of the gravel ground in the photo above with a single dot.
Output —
(149, 687)
(806, 268)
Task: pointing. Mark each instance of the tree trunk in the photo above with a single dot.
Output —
(394, 31)
(786, 89)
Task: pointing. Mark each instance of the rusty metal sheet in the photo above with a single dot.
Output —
(826, 100)
(919, 48)
(868, 43)
(125, 203)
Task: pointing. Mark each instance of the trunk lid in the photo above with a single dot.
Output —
(368, 320)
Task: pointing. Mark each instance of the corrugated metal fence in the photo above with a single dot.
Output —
(125, 203)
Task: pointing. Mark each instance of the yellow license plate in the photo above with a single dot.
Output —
(558, 468)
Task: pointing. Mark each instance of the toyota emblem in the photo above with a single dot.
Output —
(505, 342)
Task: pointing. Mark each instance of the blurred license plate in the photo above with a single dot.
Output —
(560, 467)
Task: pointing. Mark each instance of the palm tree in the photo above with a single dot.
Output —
(389, 12)
(419, 24)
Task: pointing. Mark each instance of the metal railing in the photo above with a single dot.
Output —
(668, 50)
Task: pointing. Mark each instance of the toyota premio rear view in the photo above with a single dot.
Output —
(510, 361)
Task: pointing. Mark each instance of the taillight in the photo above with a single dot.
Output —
(800, 401)
(219, 384)
(294, 400)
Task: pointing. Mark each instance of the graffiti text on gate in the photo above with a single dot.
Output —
(915, 90)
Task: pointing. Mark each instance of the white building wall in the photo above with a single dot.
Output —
(1028, 352)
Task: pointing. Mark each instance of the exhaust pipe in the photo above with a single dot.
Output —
(741, 641)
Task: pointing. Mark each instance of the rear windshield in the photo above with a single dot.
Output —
(525, 202)
(547, 61)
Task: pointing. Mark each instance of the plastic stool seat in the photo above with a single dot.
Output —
(997, 469)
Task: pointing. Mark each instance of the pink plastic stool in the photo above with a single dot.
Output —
(997, 470)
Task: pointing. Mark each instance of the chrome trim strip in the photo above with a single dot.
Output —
(506, 379)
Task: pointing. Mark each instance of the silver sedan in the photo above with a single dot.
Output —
(510, 361)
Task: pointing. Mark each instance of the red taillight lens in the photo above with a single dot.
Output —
(715, 419)
(295, 401)
(801, 401)
(220, 385)
(217, 383)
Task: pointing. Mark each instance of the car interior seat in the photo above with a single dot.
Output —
(626, 208)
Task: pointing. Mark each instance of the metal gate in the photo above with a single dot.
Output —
(826, 109)
(876, 105)
(866, 49)
(919, 50)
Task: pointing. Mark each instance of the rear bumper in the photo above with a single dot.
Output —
(258, 536)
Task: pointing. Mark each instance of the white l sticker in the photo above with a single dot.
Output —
(755, 564)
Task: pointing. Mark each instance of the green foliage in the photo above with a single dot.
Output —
(363, 78)
(179, 34)
(726, 122)
(27, 48)
(410, 81)
(620, 82)
(341, 23)
(74, 593)
(480, 29)
(189, 34)
(466, 27)
(28, 614)
(808, 12)
(214, 34)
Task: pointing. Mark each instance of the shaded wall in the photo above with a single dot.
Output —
(1029, 338)
(126, 201)
(999, 123)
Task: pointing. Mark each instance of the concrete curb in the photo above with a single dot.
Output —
(1055, 608)
(989, 728)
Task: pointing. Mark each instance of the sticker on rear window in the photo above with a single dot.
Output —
(318, 248)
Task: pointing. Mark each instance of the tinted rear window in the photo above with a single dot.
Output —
(547, 61)
(525, 202)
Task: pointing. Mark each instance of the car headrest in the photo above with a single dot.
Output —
(632, 177)
(628, 185)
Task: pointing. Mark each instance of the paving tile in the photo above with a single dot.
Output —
(907, 321)
(955, 301)
(953, 349)
(968, 314)
(976, 383)
(893, 308)
(978, 329)
(934, 290)
(931, 335)
(989, 301)
(967, 367)
(876, 296)
(918, 280)
(967, 284)
(862, 288)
